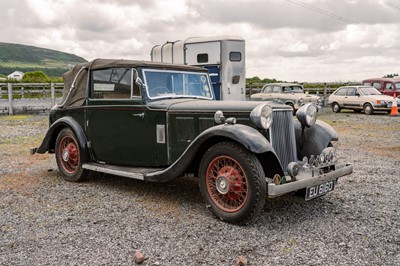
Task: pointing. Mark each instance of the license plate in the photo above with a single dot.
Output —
(319, 190)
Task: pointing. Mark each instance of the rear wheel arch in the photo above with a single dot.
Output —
(49, 141)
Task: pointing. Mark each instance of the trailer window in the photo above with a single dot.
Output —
(235, 56)
(202, 58)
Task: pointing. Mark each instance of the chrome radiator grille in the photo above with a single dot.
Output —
(282, 137)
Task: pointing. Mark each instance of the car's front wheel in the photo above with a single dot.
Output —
(368, 109)
(68, 156)
(232, 182)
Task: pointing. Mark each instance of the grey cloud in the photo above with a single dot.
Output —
(286, 14)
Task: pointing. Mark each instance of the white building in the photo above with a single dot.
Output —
(18, 75)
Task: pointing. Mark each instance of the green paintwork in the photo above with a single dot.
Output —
(138, 131)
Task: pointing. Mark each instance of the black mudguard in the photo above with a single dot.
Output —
(247, 136)
(48, 143)
(316, 138)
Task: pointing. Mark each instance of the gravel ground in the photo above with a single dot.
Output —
(104, 220)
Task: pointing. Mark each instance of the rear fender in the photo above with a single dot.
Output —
(317, 137)
(49, 141)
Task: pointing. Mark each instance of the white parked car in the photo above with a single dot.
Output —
(360, 98)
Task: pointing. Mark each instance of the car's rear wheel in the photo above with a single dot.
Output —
(336, 107)
(68, 156)
(368, 109)
(232, 183)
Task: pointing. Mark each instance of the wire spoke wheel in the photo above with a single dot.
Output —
(232, 182)
(69, 152)
(227, 184)
(68, 156)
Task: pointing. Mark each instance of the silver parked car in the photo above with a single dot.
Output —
(360, 98)
(291, 94)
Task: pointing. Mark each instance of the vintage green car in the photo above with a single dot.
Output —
(156, 122)
(291, 94)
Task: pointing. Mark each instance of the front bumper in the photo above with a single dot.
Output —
(308, 178)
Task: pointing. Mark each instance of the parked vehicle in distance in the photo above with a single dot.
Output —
(387, 86)
(360, 98)
(157, 121)
(291, 94)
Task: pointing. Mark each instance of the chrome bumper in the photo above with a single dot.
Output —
(308, 178)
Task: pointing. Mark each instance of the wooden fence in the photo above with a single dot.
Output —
(25, 97)
(40, 97)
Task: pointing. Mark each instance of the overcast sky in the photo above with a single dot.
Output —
(292, 40)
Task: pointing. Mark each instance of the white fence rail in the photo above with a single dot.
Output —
(28, 97)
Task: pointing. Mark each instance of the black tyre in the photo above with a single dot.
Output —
(292, 105)
(68, 156)
(336, 107)
(368, 109)
(232, 183)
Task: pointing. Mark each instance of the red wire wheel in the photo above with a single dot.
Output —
(232, 182)
(68, 150)
(227, 184)
(68, 156)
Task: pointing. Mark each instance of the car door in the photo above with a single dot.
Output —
(116, 118)
(351, 98)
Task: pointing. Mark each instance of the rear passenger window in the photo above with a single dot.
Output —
(112, 83)
(341, 92)
(267, 89)
(376, 85)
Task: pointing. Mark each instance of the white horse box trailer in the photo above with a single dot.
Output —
(223, 56)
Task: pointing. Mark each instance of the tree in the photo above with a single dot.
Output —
(35, 77)
(391, 75)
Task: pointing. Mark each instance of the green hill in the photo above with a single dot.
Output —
(27, 58)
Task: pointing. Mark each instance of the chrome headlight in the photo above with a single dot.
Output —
(261, 116)
(307, 114)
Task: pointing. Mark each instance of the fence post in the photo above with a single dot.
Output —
(325, 94)
(53, 95)
(10, 100)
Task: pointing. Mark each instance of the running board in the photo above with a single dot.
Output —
(126, 171)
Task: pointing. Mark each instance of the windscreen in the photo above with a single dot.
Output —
(177, 84)
(370, 91)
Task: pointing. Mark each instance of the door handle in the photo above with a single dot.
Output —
(141, 115)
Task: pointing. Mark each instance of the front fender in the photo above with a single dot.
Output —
(48, 143)
(316, 138)
(247, 136)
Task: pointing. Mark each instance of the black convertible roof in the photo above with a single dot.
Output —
(78, 76)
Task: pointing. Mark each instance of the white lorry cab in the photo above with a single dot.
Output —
(223, 56)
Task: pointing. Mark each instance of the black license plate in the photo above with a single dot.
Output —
(319, 190)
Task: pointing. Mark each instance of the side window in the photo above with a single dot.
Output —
(376, 85)
(287, 89)
(202, 58)
(267, 89)
(235, 56)
(276, 89)
(351, 92)
(341, 92)
(111, 83)
(389, 86)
